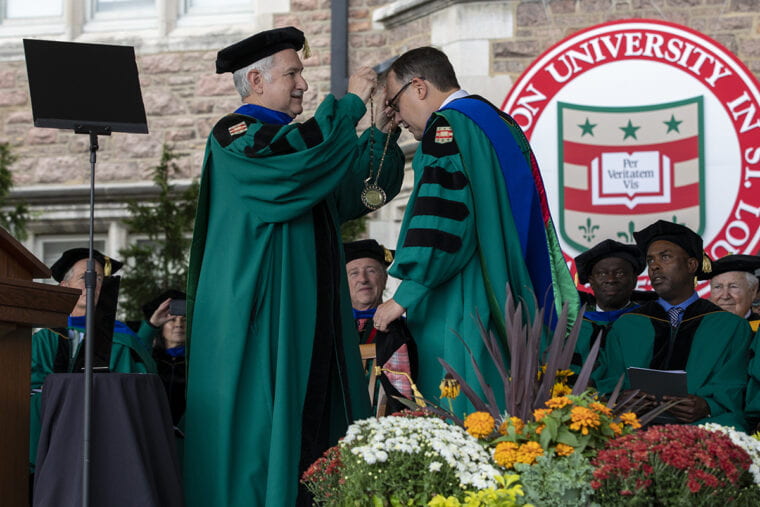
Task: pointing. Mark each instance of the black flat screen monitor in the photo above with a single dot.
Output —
(89, 88)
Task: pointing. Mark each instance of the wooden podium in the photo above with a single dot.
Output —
(24, 304)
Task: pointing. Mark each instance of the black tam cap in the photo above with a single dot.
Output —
(585, 262)
(738, 262)
(150, 307)
(254, 48)
(74, 255)
(678, 234)
(368, 248)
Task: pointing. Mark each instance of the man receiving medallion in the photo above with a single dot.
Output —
(274, 373)
(477, 219)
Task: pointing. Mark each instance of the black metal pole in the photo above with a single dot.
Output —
(90, 283)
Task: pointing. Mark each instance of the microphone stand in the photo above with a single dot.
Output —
(90, 283)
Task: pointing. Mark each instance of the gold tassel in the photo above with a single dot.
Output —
(107, 268)
(388, 255)
(418, 398)
(306, 49)
(577, 280)
(706, 264)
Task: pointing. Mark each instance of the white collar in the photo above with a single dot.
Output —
(456, 95)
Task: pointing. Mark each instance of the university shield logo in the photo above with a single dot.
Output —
(621, 168)
(639, 120)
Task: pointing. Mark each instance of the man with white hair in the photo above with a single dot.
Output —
(733, 285)
(274, 373)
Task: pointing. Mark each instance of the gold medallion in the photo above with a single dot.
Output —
(373, 197)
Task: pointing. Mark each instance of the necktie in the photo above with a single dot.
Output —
(674, 315)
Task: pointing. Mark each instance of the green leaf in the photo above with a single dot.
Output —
(567, 437)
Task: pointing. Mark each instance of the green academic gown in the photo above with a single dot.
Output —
(752, 408)
(458, 249)
(595, 324)
(267, 281)
(51, 353)
(711, 345)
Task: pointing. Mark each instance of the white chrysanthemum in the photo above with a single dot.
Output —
(376, 440)
(750, 445)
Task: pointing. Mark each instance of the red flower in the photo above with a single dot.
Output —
(705, 462)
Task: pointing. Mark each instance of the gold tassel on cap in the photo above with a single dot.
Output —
(706, 264)
(107, 268)
(388, 255)
(306, 49)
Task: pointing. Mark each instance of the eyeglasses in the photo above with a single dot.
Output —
(393, 103)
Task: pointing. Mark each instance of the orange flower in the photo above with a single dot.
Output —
(601, 408)
(630, 419)
(617, 428)
(505, 454)
(564, 450)
(584, 418)
(540, 413)
(528, 452)
(479, 424)
(517, 423)
(540, 428)
(558, 402)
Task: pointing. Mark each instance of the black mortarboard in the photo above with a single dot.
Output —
(738, 262)
(150, 307)
(368, 248)
(678, 234)
(74, 255)
(256, 47)
(584, 263)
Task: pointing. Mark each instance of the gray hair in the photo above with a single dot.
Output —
(240, 76)
(753, 283)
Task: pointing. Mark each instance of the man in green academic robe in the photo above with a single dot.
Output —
(733, 287)
(477, 220)
(62, 350)
(274, 375)
(612, 269)
(680, 331)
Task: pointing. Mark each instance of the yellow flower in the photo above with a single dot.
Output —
(449, 387)
(560, 389)
(563, 374)
(558, 402)
(505, 454)
(601, 408)
(528, 452)
(564, 450)
(630, 419)
(617, 428)
(441, 501)
(479, 424)
(540, 372)
(517, 423)
(540, 413)
(583, 418)
(540, 428)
